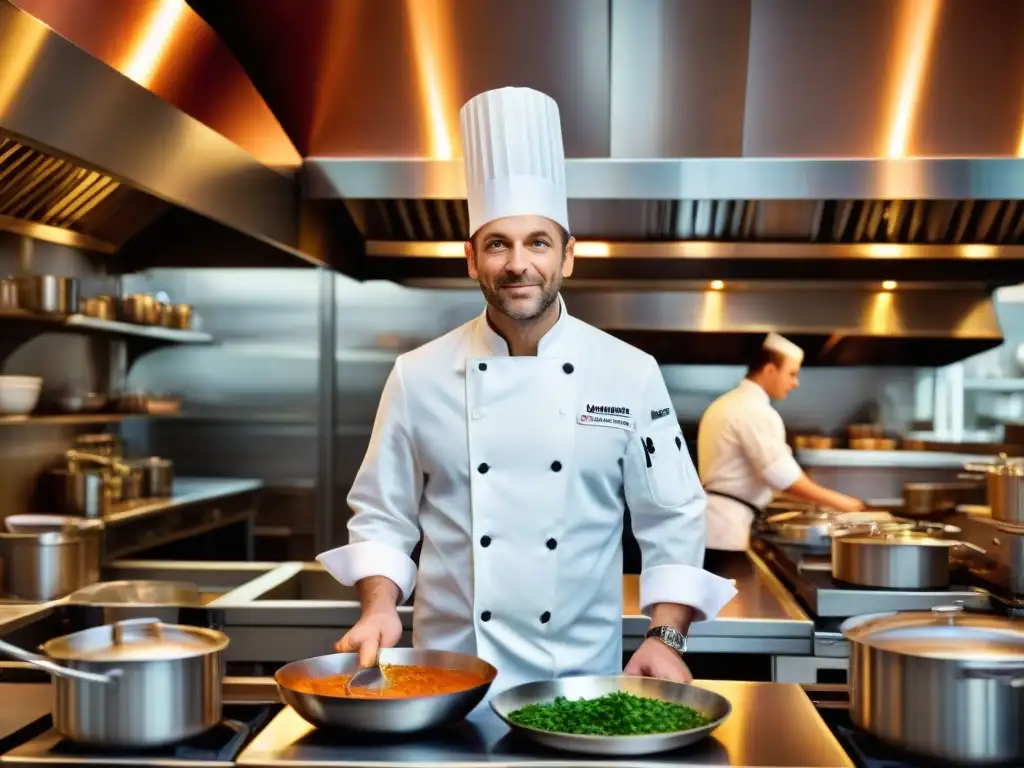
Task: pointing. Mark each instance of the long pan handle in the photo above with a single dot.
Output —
(51, 666)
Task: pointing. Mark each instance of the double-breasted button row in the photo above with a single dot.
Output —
(544, 617)
(485, 541)
(483, 468)
(567, 367)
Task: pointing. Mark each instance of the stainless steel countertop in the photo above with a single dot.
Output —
(772, 724)
(187, 490)
(14, 616)
(840, 457)
(763, 618)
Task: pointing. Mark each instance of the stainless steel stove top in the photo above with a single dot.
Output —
(810, 578)
(218, 747)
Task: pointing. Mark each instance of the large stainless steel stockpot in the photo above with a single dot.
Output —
(1004, 482)
(893, 559)
(940, 683)
(136, 683)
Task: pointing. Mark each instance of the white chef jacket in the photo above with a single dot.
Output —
(742, 451)
(516, 471)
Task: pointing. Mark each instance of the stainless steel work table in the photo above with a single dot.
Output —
(771, 725)
(297, 610)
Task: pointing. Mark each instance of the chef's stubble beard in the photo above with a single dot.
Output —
(549, 293)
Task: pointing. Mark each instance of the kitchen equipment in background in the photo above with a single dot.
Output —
(101, 444)
(45, 557)
(382, 715)
(940, 683)
(812, 529)
(48, 294)
(865, 431)
(927, 499)
(156, 477)
(148, 684)
(123, 600)
(154, 405)
(893, 559)
(140, 309)
(75, 401)
(814, 443)
(873, 444)
(99, 307)
(79, 491)
(181, 316)
(9, 294)
(713, 706)
(19, 395)
(1004, 482)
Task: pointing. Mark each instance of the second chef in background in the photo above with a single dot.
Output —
(743, 454)
(510, 445)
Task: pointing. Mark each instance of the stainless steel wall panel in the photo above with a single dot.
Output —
(387, 77)
(884, 78)
(678, 77)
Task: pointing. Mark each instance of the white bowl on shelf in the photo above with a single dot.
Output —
(19, 395)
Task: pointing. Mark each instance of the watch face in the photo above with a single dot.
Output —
(672, 637)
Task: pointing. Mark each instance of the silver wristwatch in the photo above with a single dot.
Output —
(670, 636)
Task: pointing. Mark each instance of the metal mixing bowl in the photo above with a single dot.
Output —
(380, 715)
(710, 704)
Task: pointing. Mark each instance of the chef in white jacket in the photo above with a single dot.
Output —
(743, 454)
(511, 445)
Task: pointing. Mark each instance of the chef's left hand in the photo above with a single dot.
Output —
(655, 659)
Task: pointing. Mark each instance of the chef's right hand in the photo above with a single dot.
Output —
(375, 630)
(851, 504)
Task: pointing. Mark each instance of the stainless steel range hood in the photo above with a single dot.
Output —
(89, 158)
(847, 143)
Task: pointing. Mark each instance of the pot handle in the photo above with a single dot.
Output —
(969, 545)
(1012, 676)
(54, 668)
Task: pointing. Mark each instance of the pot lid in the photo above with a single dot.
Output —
(135, 640)
(945, 632)
(894, 538)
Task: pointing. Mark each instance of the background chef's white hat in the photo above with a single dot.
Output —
(515, 163)
(783, 346)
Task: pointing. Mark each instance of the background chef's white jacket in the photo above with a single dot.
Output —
(742, 451)
(516, 471)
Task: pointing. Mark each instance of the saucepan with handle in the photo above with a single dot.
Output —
(135, 683)
(316, 689)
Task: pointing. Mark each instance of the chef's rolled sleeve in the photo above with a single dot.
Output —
(763, 437)
(667, 510)
(384, 498)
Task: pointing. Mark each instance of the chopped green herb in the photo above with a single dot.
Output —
(615, 714)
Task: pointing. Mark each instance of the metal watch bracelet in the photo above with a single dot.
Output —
(670, 636)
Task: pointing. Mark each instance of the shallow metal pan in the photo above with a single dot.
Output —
(712, 705)
(409, 715)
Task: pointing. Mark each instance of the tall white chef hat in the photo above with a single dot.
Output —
(783, 346)
(515, 163)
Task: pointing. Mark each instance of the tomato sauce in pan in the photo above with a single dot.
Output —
(404, 681)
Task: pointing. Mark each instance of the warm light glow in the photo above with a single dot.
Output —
(145, 57)
(428, 24)
(884, 250)
(717, 285)
(917, 30)
(979, 251)
(888, 285)
(18, 60)
(590, 250)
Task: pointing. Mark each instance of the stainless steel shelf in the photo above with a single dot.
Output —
(74, 419)
(95, 326)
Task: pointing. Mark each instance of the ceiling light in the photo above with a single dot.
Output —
(717, 285)
(888, 285)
